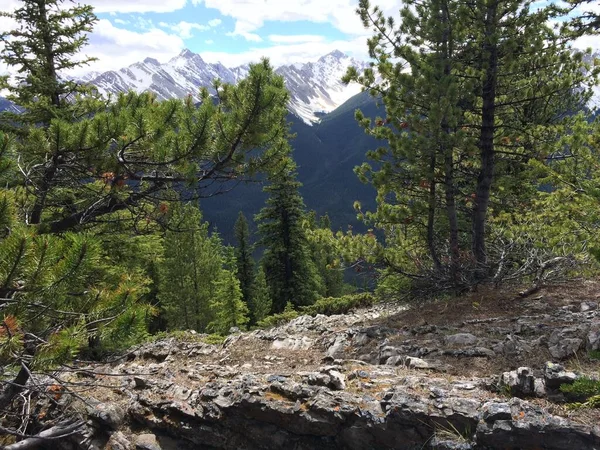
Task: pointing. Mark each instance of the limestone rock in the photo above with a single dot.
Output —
(564, 343)
(147, 442)
(520, 382)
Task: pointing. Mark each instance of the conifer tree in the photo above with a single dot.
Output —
(472, 93)
(244, 259)
(83, 160)
(287, 260)
(229, 309)
(326, 259)
(261, 300)
(191, 262)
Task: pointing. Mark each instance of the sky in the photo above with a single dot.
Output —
(233, 32)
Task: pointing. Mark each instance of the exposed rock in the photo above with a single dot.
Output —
(355, 381)
(147, 442)
(118, 441)
(293, 343)
(593, 337)
(565, 343)
(107, 414)
(461, 339)
(521, 382)
(588, 306)
(555, 375)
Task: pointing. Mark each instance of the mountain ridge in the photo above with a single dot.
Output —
(315, 87)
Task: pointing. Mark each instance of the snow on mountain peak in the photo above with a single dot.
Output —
(315, 87)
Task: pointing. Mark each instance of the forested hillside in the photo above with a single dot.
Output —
(478, 170)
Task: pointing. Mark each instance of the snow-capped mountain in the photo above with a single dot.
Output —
(315, 87)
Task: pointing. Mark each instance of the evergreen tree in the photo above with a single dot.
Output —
(191, 262)
(261, 300)
(287, 260)
(472, 94)
(84, 160)
(58, 295)
(244, 260)
(228, 307)
(326, 259)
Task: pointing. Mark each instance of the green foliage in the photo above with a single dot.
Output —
(214, 339)
(339, 305)
(228, 306)
(192, 260)
(594, 354)
(261, 299)
(472, 96)
(41, 52)
(291, 273)
(244, 261)
(326, 258)
(581, 389)
(287, 315)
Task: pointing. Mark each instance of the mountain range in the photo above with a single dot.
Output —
(315, 87)
(328, 142)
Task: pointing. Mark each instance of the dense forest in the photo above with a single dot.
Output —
(487, 172)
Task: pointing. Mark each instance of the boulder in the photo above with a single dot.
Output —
(461, 339)
(555, 375)
(520, 382)
(564, 343)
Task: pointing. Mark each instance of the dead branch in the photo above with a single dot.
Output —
(58, 431)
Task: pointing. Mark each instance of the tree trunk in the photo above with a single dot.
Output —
(51, 168)
(486, 140)
(447, 151)
(431, 215)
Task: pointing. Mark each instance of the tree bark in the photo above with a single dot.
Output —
(59, 431)
(486, 140)
(447, 151)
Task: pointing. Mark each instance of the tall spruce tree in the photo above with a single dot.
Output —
(287, 260)
(262, 303)
(229, 309)
(191, 263)
(244, 259)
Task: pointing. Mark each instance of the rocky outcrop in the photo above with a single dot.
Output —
(357, 381)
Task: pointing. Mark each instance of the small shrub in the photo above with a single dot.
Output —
(594, 354)
(339, 305)
(582, 389)
(288, 314)
(213, 339)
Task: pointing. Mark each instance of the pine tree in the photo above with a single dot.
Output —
(261, 300)
(58, 294)
(229, 309)
(84, 160)
(472, 93)
(191, 262)
(326, 259)
(244, 260)
(287, 260)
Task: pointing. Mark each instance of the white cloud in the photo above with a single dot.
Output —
(184, 29)
(135, 6)
(121, 21)
(250, 15)
(215, 22)
(209, 42)
(288, 54)
(116, 47)
(294, 39)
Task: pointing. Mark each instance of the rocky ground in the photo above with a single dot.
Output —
(482, 372)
